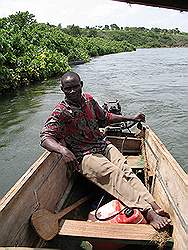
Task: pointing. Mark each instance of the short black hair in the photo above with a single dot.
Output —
(71, 74)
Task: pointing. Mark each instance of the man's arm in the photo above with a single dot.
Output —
(52, 135)
(123, 118)
(59, 147)
(107, 118)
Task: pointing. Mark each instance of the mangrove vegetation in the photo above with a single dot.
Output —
(32, 51)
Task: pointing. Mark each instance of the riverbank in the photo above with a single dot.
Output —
(33, 52)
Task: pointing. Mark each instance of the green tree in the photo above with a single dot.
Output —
(114, 27)
(92, 32)
(22, 19)
(74, 30)
(106, 27)
(31, 51)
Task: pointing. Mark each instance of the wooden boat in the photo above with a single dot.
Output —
(49, 184)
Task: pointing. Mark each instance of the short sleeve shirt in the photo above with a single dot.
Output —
(78, 126)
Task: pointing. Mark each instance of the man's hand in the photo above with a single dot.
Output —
(53, 146)
(139, 117)
(68, 157)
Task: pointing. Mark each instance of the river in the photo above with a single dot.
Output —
(152, 81)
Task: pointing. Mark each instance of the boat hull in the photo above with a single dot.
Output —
(48, 183)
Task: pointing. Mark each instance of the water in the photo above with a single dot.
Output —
(153, 81)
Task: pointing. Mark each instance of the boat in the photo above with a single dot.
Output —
(49, 184)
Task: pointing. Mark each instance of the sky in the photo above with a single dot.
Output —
(97, 12)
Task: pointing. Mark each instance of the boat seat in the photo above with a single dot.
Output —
(119, 233)
(135, 162)
(137, 167)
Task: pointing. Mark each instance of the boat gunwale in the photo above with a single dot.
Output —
(179, 217)
(176, 166)
(22, 180)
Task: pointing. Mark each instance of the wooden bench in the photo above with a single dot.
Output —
(120, 233)
(126, 145)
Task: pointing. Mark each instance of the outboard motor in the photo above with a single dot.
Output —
(115, 109)
(122, 128)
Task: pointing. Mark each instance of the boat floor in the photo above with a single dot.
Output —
(84, 187)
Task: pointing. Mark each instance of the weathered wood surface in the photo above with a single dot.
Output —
(135, 161)
(125, 233)
(46, 183)
(126, 144)
(46, 223)
(42, 186)
(87, 229)
(170, 187)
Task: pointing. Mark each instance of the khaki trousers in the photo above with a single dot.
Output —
(111, 173)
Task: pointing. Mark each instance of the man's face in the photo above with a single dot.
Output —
(72, 89)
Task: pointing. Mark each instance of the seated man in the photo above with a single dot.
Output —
(73, 131)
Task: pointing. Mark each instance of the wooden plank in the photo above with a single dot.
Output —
(46, 223)
(126, 144)
(134, 161)
(169, 172)
(19, 184)
(171, 182)
(41, 186)
(93, 230)
(136, 167)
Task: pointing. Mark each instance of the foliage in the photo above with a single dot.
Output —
(141, 37)
(31, 51)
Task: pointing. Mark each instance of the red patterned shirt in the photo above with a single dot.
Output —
(78, 126)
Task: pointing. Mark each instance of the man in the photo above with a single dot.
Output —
(73, 131)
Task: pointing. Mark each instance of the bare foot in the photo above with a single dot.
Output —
(156, 220)
(159, 210)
